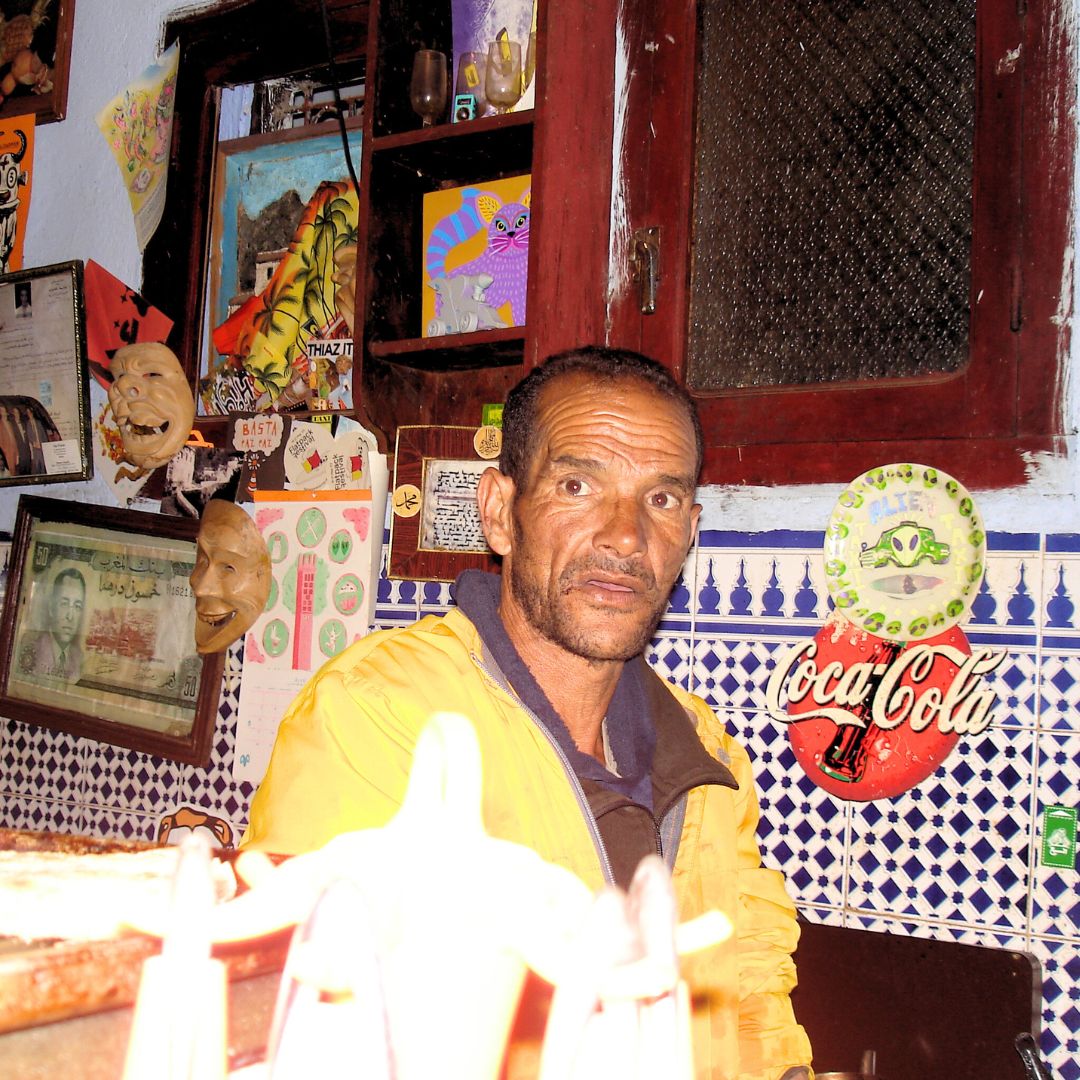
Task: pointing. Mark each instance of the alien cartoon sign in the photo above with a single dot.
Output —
(904, 552)
(152, 405)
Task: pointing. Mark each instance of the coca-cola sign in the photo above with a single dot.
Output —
(870, 718)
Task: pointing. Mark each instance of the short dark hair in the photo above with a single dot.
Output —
(69, 574)
(605, 365)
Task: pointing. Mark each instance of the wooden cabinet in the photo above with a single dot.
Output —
(564, 142)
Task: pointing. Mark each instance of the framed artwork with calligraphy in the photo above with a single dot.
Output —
(97, 636)
(435, 528)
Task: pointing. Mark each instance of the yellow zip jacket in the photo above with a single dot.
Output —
(341, 762)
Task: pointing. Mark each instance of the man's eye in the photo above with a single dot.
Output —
(664, 500)
(575, 486)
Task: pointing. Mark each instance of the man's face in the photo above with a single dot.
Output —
(603, 526)
(66, 610)
(231, 579)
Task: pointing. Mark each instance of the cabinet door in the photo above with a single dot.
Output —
(981, 417)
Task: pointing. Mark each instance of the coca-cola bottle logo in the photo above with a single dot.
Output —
(869, 718)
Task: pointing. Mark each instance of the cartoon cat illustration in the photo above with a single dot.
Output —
(505, 259)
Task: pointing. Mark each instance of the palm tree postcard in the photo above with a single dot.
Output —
(284, 221)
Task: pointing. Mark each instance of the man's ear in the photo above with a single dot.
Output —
(495, 497)
(695, 523)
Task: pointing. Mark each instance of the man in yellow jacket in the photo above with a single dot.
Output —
(588, 757)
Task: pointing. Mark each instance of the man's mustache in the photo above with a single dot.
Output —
(583, 568)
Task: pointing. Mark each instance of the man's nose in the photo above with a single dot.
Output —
(622, 531)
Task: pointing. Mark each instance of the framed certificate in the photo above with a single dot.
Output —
(44, 393)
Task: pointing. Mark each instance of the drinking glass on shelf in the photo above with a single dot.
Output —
(502, 84)
(427, 89)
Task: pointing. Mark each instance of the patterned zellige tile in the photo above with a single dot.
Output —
(126, 779)
(1061, 598)
(734, 672)
(1060, 1040)
(1013, 682)
(41, 815)
(112, 823)
(1059, 691)
(1011, 592)
(803, 830)
(954, 848)
(1055, 897)
(434, 597)
(669, 655)
(212, 788)
(40, 763)
(1061, 583)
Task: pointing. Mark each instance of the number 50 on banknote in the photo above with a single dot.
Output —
(97, 634)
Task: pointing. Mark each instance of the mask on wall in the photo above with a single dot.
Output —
(231, 579)
(152, 404)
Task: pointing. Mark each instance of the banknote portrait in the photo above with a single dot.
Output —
(97, 635)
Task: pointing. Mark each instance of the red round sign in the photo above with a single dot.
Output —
(905, 693)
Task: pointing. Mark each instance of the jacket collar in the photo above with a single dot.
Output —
(631, 734)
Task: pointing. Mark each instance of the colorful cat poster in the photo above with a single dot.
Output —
(476, 256)
(16, 174)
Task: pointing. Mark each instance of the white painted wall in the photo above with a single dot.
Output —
(79, 210)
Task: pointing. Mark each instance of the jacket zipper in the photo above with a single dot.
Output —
(575, 784)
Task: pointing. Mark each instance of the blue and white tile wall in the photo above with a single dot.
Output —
(956, 858)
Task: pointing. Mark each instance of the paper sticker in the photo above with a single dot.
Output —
(61, 457)
(487, 442)
(1059, 837)
(407, 500)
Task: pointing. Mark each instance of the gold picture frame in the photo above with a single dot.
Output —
(435, 528)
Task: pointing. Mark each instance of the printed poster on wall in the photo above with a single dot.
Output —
(321, 600)
(16, 174)
(137, 124)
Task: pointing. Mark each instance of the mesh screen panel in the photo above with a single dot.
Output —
(832, 203)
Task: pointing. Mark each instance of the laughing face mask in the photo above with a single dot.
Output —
(231, 579)
(151, 403)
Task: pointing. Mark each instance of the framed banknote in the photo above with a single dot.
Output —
(97, 635)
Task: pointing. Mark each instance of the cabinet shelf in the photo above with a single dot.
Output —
(462, 130)
(455, 352)
(494, 146)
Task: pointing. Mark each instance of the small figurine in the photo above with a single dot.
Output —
(231, 579)
(152, 404)
(462, 308)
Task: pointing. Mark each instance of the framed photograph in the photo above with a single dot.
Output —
(36, 59)
(98, 630)
(435, 530)
(44, 392)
